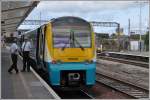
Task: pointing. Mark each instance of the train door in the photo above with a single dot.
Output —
(41, 48)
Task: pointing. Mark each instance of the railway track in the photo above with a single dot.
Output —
(125, 61)
(63, 94)
(76, 94)
(124, 87)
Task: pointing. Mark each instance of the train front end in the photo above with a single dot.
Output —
(71, 47)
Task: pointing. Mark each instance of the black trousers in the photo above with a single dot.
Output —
(14, 65)
(26, 59)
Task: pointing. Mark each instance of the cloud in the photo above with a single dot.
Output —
(84, 6)
(80, 7)
(118, 11)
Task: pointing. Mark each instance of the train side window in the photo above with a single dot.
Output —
(41, 44)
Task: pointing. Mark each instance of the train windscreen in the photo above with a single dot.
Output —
(71, 32)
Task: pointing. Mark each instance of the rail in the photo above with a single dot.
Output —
(124, 87)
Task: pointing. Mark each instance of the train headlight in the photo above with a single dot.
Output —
(88, 61)
(54, 62)
(59, 61)
(63, 82)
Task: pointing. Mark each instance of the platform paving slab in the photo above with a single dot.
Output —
(24, 85)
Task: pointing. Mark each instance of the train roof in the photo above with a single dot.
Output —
(55, 19)
(59, 18)
(33, 29)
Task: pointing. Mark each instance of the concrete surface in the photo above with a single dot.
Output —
(20, 86)
(143, 53)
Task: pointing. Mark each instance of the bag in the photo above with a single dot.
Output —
(32, 62)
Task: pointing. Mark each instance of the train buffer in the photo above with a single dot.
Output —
(25, 85)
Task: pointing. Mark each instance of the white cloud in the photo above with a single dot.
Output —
(84, 6)
(80, 7)
(118, 11)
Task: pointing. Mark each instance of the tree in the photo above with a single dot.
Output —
(113, 35)
(137, 37)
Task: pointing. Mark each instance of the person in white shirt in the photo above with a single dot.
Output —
(14, 54)
(26, 48)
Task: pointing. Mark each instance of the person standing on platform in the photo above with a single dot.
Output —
(26, 47)
(14, 57)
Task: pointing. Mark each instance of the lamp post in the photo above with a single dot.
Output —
(119, 44)
(129, 34)
(140, 24)
(40, 19)
(140, 19)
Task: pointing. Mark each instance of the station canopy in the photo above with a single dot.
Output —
(14, 13)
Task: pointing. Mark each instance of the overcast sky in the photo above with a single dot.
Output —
(118, 11)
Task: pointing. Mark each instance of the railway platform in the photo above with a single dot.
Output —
(137, 53)
(24, 85)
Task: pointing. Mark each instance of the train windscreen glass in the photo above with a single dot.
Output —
(71, 33)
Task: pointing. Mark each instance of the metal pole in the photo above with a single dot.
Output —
(140, 25)
(129, 35)
(119, 48)
(129, 27)
(40, 19)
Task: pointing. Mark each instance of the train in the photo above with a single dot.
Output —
(64, 48)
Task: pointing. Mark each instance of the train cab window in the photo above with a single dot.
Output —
(41, 43)
(71, 33)
(84, 38)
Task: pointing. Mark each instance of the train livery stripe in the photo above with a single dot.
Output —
(47, 55)
(94, 49)
(48, 40)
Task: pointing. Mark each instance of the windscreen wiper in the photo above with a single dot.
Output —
(70, 39)
(74, 39)
(63, 48)
(79, 45)
(72, 44)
